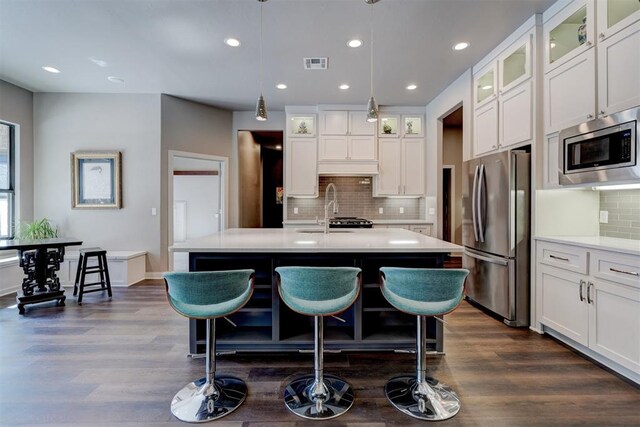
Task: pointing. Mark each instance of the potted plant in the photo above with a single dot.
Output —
(39, 229)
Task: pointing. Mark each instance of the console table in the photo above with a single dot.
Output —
(40, 259)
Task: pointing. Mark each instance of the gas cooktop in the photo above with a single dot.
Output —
(349, 222)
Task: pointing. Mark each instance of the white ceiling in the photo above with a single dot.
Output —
(176, 47)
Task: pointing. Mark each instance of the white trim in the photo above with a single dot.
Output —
(153, 275)
(224, 192)
(452, 199)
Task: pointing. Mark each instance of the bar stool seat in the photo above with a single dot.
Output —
(425, 293)
(318, 292)
(80, 285)
(209, 295)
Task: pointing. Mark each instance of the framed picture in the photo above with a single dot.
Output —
(96, 180)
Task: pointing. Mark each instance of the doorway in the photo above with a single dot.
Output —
(196, 200)
(452, 177)
(260, 179)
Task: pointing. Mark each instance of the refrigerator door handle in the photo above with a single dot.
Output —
(487, 259)
(473, 204)
(479, 200)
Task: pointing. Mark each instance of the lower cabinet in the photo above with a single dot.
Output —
(602, 315)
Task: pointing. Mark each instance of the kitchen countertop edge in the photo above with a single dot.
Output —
(625, 246)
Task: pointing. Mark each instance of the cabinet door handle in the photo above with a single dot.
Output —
(559, 257)
(589, 116)
(404, 189)
(589, 286)
(399, 190)
(582, 283)
(630, 273)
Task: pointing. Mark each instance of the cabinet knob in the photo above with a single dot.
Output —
(589, 43)
(589, 116)
(601, 35)
(602, 112)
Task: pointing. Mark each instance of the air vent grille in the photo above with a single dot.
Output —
(316, 63)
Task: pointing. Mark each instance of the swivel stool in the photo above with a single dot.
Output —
(425, 293)
(318, 292)
(209, 295)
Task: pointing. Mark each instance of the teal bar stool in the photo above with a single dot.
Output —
(425, 292)
(209, 295)
(318, 292)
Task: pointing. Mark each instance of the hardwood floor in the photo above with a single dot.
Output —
(120, 362)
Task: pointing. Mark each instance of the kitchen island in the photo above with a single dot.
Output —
(266, 324)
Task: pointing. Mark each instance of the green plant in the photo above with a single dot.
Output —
(39, 229)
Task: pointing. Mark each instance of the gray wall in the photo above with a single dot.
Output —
(195, 128)
(452, 155)
(64, 123)
(16, 107)
(624, 213)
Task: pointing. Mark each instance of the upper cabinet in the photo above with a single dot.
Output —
(401, 125)
(389, 126)
(589, 77)
(504, 95)
(302, 125)
(347, 143)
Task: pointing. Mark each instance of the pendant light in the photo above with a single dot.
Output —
(372, 107)
(261, 107)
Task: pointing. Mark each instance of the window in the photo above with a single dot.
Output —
(7, 179)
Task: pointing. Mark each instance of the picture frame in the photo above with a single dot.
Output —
(96, 180)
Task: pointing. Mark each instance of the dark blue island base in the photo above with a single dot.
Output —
(265, 324)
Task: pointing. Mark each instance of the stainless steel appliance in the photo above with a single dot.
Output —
(602, 150)
(495, 233)
(349, 222)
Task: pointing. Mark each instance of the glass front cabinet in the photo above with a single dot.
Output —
(302, 125)
(569, 33)
(615, 15)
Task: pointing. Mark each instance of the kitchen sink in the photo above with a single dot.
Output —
(322, 231)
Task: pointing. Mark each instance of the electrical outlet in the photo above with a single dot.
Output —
(380, 210)
(432, 211)
(604, 217)
(295, 211)
(401, 210)
(154, 212)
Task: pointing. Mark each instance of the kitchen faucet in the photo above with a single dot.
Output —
(326, 205)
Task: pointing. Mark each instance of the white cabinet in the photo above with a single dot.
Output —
(504, 98)
(615, 15)
(485, 128)
(401, 167)
(595, 304)
(301, 177)
(569, 33)
(347, 143)
(551, 162)
(570, 93)
(619, 71)
(302, 125)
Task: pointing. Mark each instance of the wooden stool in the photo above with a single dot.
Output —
(83, 270)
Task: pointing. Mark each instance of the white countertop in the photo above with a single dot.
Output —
(375, 221)
(627, 246)
(295, 240)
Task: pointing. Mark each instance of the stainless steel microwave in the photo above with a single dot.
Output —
(602, 150)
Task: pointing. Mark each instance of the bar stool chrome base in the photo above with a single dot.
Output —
(430, 400)
(199, 402)
(297, 397)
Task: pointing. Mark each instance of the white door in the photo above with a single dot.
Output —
(334, 123)
(333, 148)
(301, 172)
(362, 148)
(358, 124)
(413, 167)
(564, 304)
(614, 323)
(570, 93)
(516, 115)
(388, 179)
(485, 128)
(619, 71)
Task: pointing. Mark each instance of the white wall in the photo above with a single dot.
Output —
(246, 120)
(195, 128)
(452, 155)
(455, 95)
(16, 107)
(64, 123)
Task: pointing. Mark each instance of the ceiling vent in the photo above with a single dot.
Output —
(316, 63)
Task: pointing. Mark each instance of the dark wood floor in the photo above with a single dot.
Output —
(120, 362)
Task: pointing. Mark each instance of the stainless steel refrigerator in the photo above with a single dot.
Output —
(495, 233)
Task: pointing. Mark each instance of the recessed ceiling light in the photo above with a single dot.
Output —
(278, 147)
(98, 62)
(412, 87)
(344, 86)
(487, 87)
(114, 79)
(281, 86)
(51, 69)
(354, 43)
(232, 42)
(460, 46)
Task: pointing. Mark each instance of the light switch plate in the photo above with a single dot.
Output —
(380, 210)
(432, 211)
(295, 211)
(154, 212)
(401, 210)
(604, 217)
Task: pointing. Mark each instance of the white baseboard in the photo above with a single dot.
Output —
(153, 275)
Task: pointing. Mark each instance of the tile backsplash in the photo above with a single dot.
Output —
(355, 198)
(624, 213)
